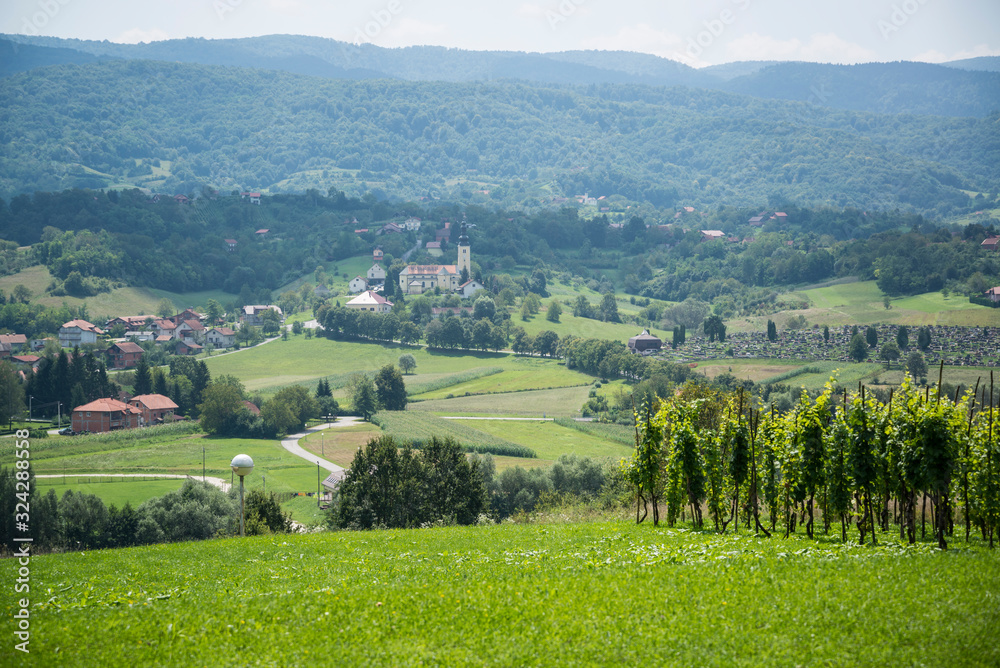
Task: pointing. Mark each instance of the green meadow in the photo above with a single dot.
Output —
(120, 301)
(861, 303)
(550, 440)
(601, 594)
(118, 491)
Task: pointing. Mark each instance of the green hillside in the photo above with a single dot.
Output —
(604, 594)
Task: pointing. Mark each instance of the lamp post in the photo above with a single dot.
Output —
(242, 465)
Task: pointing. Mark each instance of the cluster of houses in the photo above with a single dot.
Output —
(103, 415)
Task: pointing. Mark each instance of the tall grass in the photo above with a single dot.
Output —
(418, 428)
(113, 440)
(452, 379)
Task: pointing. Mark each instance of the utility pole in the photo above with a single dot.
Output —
(317, 484)
(203, 465)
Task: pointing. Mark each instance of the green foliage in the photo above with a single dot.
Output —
(390, 487)
(390, 389)
(858, 348)
(264, 514)
(407, 363)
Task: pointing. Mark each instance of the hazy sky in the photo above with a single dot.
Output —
(697, 33)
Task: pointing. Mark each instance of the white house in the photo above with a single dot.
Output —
(251, 314)
(412, 224)
(357, 284)
(370, 301)
(376, 274)
(470, 288)
(78, 332)
(221, 337)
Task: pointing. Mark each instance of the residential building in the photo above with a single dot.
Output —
(991, 243)
(469, 288)
(153, 408)
(376, 275)
(77, 333)
(221, 337)
(712, 235)
(231, 245)
(251, 314)
(370, 301)
(188, 348)
(104, 415)
(124, 355)
(357, 284)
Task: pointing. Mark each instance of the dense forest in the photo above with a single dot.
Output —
(175, 128)
(894, 88)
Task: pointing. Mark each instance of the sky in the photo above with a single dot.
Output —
(701, 33)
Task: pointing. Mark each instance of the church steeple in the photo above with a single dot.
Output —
(464, 252)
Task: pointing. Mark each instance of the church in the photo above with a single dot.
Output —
(416, 279)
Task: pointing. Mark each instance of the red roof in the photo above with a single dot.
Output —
(154, 402)
(83, 325)
(26, 359)
(262, 231)
(13, 339)
(107, 406)
(128, 347)
(252, 407)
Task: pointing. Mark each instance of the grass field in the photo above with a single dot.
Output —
(608, 594)
(339, 444)
(302, 360)
(848, 373)
(861, 303)
(525, 373)
(550, 440)
(563, 402)
(120, 301)
(111, 491)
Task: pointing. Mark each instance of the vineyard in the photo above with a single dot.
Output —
(847, 460)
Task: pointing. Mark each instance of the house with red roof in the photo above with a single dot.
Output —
(221, 337)
(370, 301)
(153, 408)
(104, 415)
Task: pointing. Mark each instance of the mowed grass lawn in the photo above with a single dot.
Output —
(110, 491)
(600, 594)
(302, 360)
(550, 440)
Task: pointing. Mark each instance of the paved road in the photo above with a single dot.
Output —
(291, 443)
(218, 482)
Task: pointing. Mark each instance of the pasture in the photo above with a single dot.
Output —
(609, 593)
(118, 491)
(562, 402)
(861, 303)
(120, 301)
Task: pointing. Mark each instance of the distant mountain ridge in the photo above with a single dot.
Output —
(175, 127)
(963, 88)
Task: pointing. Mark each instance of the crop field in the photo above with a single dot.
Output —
(562, 402)
(755, 370)
(409, 426)
(529, 373)
(430, 383)
(550, 440)
(608, 593)
(112, 490)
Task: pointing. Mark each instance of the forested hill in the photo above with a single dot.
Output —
(174, 127)
(901, 87)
